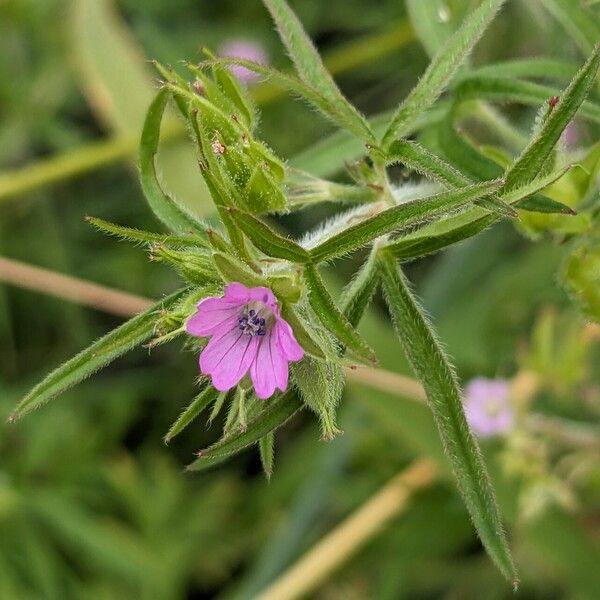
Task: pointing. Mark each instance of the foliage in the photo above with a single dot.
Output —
(470, 167)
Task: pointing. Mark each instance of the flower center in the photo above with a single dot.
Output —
(253, 320)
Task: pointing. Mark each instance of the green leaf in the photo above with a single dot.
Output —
(419, 159)
(310, 67)
(266, 240)
(531, 161)
(198, 404)
(438, 235)
(398, 217)
(581, 24)
(357, 295)
(145, 237)
(271, 417)
(119, 97)
(417, 247)
(461, 153)
(122, 339)
(163, 205)
(498, 89)
(266, 446)
(331, 316)
(441, 70)
(538, 67)
(232, 269)
(433, 369)
(343, 115)
(543, 204)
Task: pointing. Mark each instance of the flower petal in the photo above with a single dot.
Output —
(287, 343)
(266, 296)
(210, 316)
(269, 369)
(228, 357)
(237, 292)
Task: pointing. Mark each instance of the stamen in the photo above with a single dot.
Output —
(251, 323)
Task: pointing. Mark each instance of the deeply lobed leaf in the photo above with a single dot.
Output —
(433, 369)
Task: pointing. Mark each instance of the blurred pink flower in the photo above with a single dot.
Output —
(248, 50)
(487, 407)
(571, 135)
(247, 335)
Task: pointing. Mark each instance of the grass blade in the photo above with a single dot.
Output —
(431, 365)
(441, 70)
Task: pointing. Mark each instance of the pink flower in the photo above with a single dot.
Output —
(248, 50)
(247, 335)
(487, 407)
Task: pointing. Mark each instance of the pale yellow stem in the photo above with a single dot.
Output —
(98, 154)
(387, 381)
(75, 290)
(327, 555)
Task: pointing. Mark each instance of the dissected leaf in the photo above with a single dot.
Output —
(310, 67)
(161, 203)
(122, 339)
(433, 369)
(399, 217)
(441, 70)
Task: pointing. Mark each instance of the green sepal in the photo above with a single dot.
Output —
(274, 414)
(198, 404)
(195, 266)
(333, 319)
(266, 446)
(231, 269)
(267, 241)
(263, 194)
(320, 384)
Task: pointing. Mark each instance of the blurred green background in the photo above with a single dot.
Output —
(92, 504)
